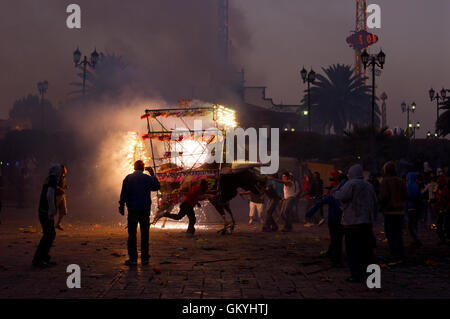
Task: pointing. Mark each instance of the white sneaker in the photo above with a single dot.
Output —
(321, 221)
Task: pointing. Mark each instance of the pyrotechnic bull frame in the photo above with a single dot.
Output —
(174, 173)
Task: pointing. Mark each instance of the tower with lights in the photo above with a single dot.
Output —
(223, 35)
(360, 25)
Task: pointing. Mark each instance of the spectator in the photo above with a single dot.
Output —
(291, 191)
(256, 205)
(442, 196)
(334, 223)
(359, 203)
(392, 199)
(315, 192)
(373, 179)
(414, 206)
(429, 193)
(61, 202)
(334, 180)
(274, 192)
(1, 189)
(136, 189)
(47, 210)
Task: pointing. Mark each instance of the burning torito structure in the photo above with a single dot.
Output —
(135, 150)
(178, 156)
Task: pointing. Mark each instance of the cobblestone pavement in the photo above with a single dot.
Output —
(247, 264)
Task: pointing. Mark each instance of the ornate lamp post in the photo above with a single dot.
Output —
(373, 61)
(309, 78)
(84, 63)
(416, 127)
(407, 109)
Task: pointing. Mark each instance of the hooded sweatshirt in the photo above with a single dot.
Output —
(47, 202)
(358, 199)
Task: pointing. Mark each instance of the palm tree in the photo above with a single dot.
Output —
(339, 99)
(443, 122)
(385, 146)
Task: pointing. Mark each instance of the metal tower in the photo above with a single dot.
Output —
(223, 40)
(360, 25)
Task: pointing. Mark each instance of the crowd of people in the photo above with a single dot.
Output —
(354, 205)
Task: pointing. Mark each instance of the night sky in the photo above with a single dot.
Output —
(272, 40)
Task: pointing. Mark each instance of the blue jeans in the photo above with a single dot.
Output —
(271, 207)
(286, 212)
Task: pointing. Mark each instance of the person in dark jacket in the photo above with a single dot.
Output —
(442, 208)
(414, 207)
(316, 194)
(334, 223)
(274, 192)
(392, 200)
(135, 194)
(47, 210)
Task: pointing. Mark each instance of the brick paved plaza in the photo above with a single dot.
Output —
(247, 264)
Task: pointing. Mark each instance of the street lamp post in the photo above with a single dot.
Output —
(85, 63)
(407, 109)
(373, 60)
(309, 78)
(416, 127)
(435, 96)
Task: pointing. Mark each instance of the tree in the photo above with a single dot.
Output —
(340, 99)
(385, 146)
(40, 114)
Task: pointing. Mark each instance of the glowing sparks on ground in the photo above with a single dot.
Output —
(171, 225)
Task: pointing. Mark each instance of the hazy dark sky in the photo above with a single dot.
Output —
(287, 34)
(272, 39)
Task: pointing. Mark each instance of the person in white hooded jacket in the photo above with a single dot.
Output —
(47, 210)
(359, 205)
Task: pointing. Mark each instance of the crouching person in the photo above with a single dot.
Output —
(47, 210)
(135, 194)
(196, 194)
